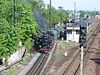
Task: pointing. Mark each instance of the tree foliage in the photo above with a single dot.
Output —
(15, 25)
(84, 13)
(56, 16)
(37, 4)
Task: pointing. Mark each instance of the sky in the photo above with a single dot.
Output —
(80, 4)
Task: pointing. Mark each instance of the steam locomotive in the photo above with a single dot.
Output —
(44, 42)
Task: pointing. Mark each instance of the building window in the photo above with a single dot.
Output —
(69, 31)
(77, 31)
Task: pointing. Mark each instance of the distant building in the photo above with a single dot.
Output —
(73, 32)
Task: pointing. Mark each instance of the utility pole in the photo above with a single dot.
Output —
(82, 41)
(14, 12)
(14, 15)
(81, 63)
(74, 17)
(60, 8)
(50, 24)
(74, 10)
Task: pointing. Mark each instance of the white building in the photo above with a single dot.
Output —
(73, 32)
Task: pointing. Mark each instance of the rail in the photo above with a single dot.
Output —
(78, 54)
(37, 68)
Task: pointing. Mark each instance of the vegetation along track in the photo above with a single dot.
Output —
(74, 65)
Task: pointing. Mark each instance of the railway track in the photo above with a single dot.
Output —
(40, 63)
(36, 69)
(90, 40)
(74, 65)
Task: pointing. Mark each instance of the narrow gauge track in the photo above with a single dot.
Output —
(76, 60)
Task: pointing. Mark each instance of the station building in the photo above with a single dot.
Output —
(73, 32)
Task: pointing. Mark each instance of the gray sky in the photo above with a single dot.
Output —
(80, 4)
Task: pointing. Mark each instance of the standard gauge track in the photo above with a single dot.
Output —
(41, 62)
(74, 65)
(36, 69)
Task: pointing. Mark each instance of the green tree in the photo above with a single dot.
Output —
(37, 4)
(56, 15)
(15, 25)
(82, 14)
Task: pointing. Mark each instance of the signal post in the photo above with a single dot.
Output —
(82, 41)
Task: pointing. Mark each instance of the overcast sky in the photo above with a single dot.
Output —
(80, 4)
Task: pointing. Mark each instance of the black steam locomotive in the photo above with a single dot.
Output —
(45, 41)
(42, 42)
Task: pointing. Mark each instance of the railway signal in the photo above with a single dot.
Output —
(65, 33)
(82, 37)
(82, 41)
